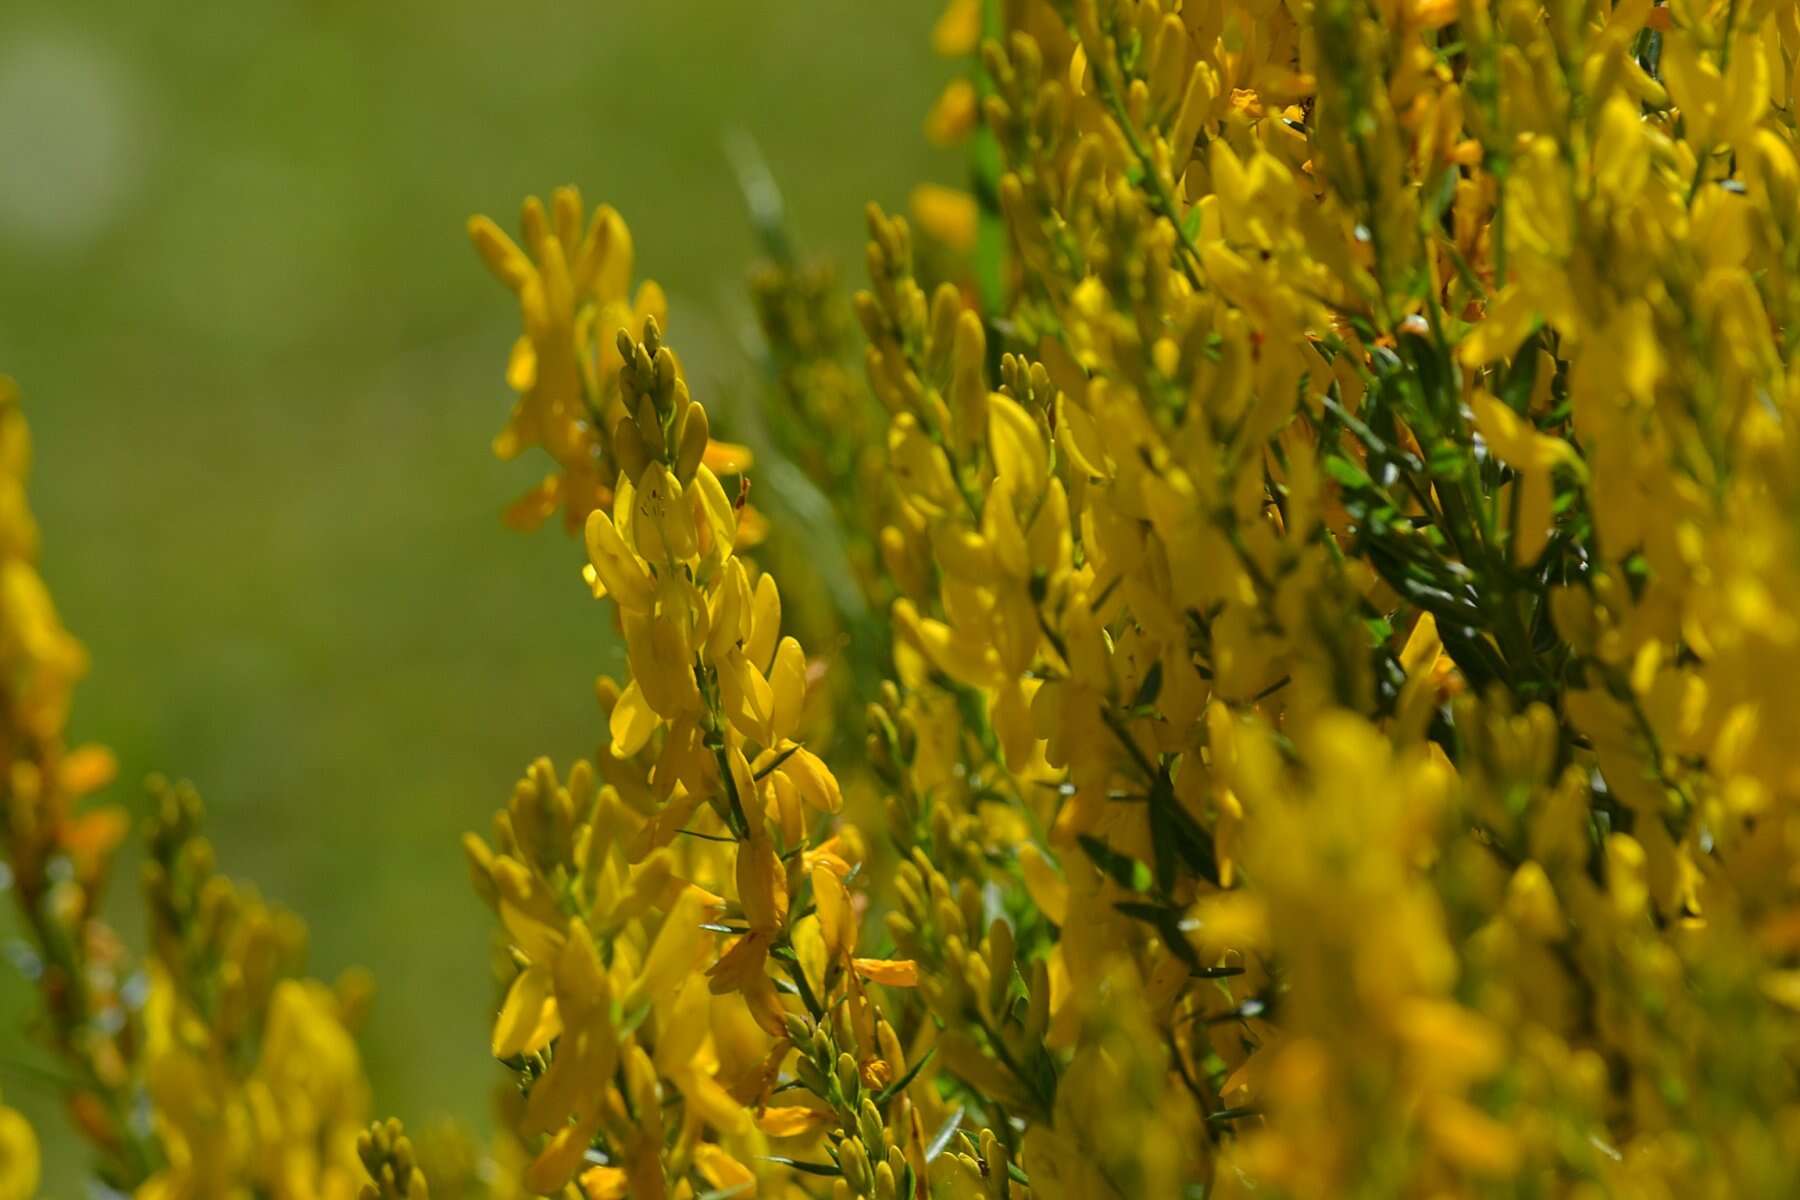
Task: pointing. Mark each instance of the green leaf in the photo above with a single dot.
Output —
(1442, 194)
(942, 1137)
(1347, 472)
(1233, 1114)
(1447, 460)
(1151, 687)
(634, 1018)
(1192, 843)
(1122, 869)
(1167, 923)
(899, 1085)
(736, 1189)
(1521, 377)
(827, 1170)
(1162, 845)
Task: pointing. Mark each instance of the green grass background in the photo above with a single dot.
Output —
(262, 368)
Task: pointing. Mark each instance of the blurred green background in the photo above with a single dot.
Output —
(263, 367)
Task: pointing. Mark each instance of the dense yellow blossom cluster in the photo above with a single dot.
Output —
(211, 1068)
(1323, 542)
(1336, 541)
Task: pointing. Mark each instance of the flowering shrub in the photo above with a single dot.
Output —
(1307, 600)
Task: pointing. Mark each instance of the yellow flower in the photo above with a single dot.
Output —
(946, 214)
(19, 1162)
